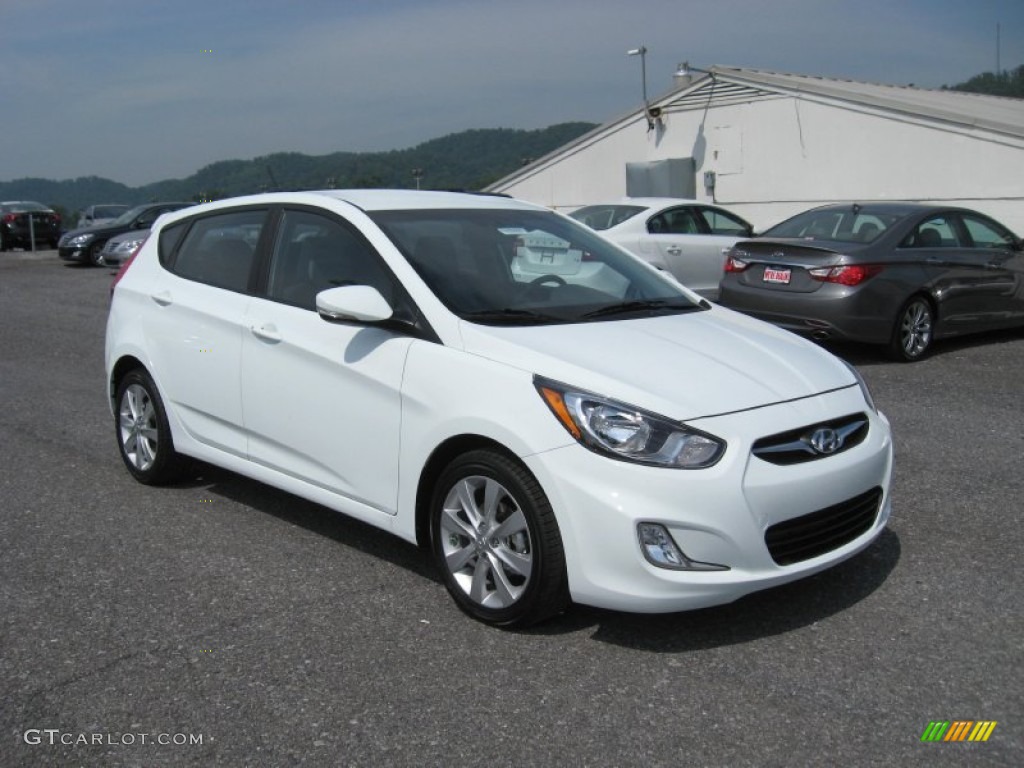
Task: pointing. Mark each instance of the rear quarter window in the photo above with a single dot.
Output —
(169, 239)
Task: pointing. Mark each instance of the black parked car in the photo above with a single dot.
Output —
(896, 274)
(16, 229)
(85, 244)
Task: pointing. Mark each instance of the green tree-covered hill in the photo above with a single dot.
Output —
(1006, 83)
(469, 160)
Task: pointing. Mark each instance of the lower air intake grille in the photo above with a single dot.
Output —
(819, 532)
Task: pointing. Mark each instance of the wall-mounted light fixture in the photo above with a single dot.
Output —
(685, 71)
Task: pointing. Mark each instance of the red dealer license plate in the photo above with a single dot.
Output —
(773, 275)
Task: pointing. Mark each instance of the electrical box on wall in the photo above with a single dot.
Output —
(709, 180)
(674, 177)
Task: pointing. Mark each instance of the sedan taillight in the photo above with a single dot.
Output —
(734, 264)
(850, 275)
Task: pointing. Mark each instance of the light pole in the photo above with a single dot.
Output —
(417, 173)
(642, 53)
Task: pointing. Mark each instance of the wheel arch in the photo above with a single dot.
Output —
(440, 458)
(121, 368)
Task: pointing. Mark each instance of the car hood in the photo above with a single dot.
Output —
(685, 366)
(99, 229)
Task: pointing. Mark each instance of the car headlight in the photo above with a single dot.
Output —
(127, 246)
(625, 432)
(79, 240)
(863, 386)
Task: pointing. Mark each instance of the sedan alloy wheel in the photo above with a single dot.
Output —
(912, 335)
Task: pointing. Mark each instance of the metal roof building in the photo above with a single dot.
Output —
(768, 145)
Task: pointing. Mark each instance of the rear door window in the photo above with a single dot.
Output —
(934, 232)
(220, 249)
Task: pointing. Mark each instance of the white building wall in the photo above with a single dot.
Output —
(776, 156)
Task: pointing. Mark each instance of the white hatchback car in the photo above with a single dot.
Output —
(688, 239)
(556, 420)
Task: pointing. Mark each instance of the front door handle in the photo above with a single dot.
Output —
(163, 298)
(267, 332)
(675, 250)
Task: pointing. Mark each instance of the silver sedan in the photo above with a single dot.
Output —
(686, 238)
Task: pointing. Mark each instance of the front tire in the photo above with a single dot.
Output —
(93, 256)
(143, 433)
(912, 334)
(496, 542)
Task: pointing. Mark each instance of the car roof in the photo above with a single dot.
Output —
(376, 200)
(898, 207)
(650, 202)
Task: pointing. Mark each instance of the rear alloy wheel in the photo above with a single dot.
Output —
(496, 541)
(912, 334)
(143, 434)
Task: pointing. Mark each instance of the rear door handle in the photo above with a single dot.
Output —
(163, 298)
(675, 250)
(267, 332)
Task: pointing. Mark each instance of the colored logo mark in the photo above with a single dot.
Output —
(959, 730)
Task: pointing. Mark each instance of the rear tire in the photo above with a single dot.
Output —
(912, 334)
(143, 433)
(496, 542)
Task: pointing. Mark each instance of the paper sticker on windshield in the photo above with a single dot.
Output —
(542, 254)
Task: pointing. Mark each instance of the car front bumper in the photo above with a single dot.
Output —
(80, 253)
(716, 516)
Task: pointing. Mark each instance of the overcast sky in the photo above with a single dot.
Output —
(144, 90)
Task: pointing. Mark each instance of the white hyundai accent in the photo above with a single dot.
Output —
(555, 419)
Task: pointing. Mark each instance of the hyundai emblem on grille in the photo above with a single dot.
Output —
(826, 440)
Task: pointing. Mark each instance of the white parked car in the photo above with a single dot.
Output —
(556, 420)
(687, 238)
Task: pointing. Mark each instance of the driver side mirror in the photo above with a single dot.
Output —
(353, 303)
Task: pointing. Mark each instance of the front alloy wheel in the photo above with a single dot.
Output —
(912, 335)
(496, 541)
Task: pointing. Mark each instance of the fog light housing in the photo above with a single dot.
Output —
(661, 550)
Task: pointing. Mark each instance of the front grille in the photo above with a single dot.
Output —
(819, 532)
(799, 445)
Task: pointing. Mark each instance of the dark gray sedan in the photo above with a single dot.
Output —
(898, 274)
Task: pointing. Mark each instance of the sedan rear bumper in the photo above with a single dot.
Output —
(833, 312)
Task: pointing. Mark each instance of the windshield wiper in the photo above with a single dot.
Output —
(510, 316)
(628, 307)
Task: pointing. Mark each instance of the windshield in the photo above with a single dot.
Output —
(23, 207)
(845, 225)
(128, 216)
(522, 267)
(108, 211)
(606, 216)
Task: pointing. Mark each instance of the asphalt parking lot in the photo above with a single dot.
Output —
(222, 623)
